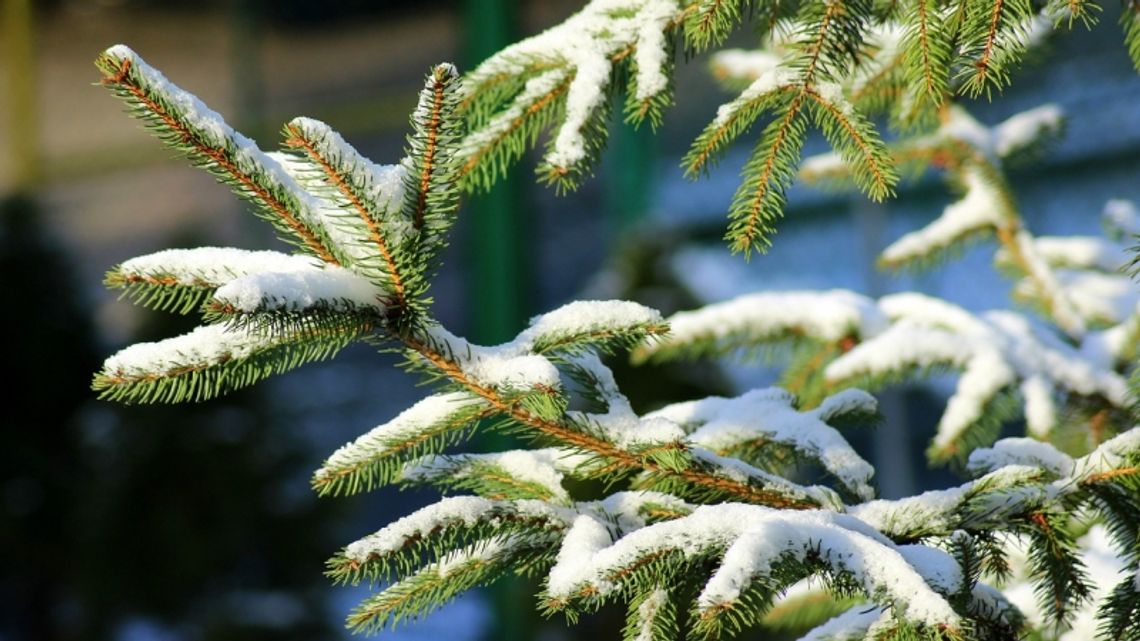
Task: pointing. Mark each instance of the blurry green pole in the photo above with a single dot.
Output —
(22, 126)
(498, 270)
(627, 177)
(498, 280)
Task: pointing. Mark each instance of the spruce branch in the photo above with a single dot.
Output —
(211, 361)
(994, 38)
(180, 280)
(927, 49)
(188, 126)
(706, 529)
(707, 476)
(750, 324)
(513, 474)
(569, 76)
(430, 588)
(431, 193)
(972, 154)
(378, 457)
(652, 616)
(709, 22)
(1130, 24)
(371, 192)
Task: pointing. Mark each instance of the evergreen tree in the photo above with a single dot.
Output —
(701, 517)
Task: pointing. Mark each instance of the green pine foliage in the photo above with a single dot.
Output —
(935, 51)
(706, 519)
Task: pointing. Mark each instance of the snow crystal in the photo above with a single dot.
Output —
(994, 352)
(930, 511)
(821, 165)
(960, 125)
(652, 51)
(331, 287)
(754, 537)
(542, 466)
(740, 472)
(507, 365)
(513, 372)
(909, 345)
(193, 111)
(937, 511)
(1110, 454)
(1106, 298)
(1033, 352)
(208, 124)
(625, 508)
(1040, 405)
(1046, 285)
(487, 550)
(383, 185)
(931, 312)
(846, 402)
(1104, 348)
(937, 568)
(624, 428)
(763, 85)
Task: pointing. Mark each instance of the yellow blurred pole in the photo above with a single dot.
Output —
(22, 127)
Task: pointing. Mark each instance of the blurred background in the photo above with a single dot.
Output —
(197, 522)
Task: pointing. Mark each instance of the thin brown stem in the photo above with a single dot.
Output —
(570, 436)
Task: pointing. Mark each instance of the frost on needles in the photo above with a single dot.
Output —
(719, 514)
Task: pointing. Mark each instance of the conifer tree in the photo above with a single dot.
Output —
(708, 525)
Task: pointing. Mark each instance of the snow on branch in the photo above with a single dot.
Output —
(601, 325)
(1001, 355)
(758, 418)
(210, 361)
(181, 121)
(1086, 271)
(434, 532)
(750, 322)
(513, 474)
(1026, 477)
(378, 456)
(329, 288)
(749, 541)
(567, 70)
(180, 279)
